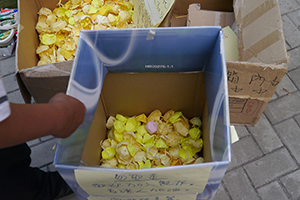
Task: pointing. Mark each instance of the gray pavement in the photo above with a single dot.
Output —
(266, 159)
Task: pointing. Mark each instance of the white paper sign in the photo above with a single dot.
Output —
(164, 197)
(129, 183)
(234, 135)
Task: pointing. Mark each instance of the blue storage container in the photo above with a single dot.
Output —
(134, 71)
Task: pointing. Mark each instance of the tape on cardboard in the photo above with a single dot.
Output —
(259, 11)
(260, 32)
(261, 45)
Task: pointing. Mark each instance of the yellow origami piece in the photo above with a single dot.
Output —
(131, 145)
(108, 153)
(129, 136)
(154, 116)
(196, 121)
(161, 144)
(48, 39)
(119, 126)
(195, 133)
(42, 48)
(141, 130)
(132, 124)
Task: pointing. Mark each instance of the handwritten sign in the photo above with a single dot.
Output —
(256, 79)
(127, 183)
(154, 197)
(253, 80)
(148, 13)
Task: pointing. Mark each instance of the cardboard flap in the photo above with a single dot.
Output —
(260, 31)
(246, 79)
(199, 17)
(26, 45)
(43, 89)
(24, 91)
(43, 82)
(51, 70)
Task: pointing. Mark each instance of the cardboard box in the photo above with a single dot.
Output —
(263, 58)
(263, 55)
(157, 68)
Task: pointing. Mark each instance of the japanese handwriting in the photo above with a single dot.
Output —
(275, 81)
(232, 76)
(257, 77)
(137, 184)
(136, 177)
(146, 198)
(257, 80)
(260, 91)
(236, 89)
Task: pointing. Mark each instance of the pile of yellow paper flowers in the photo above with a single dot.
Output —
(141, 142)
(59, 29)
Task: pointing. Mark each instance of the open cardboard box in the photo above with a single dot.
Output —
(252, 80)
(263, 58)
(160, 68)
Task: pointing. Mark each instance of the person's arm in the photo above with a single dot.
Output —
(60, 118)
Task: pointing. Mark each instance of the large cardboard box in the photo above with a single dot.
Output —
(134, 71)
(252, 80)
(262, 63)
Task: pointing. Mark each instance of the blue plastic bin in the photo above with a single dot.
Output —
(188, 65)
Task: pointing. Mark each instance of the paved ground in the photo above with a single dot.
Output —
(265, 161)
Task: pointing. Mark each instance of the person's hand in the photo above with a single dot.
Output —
(71, 114)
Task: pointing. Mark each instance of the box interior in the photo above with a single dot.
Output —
(132, 94)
